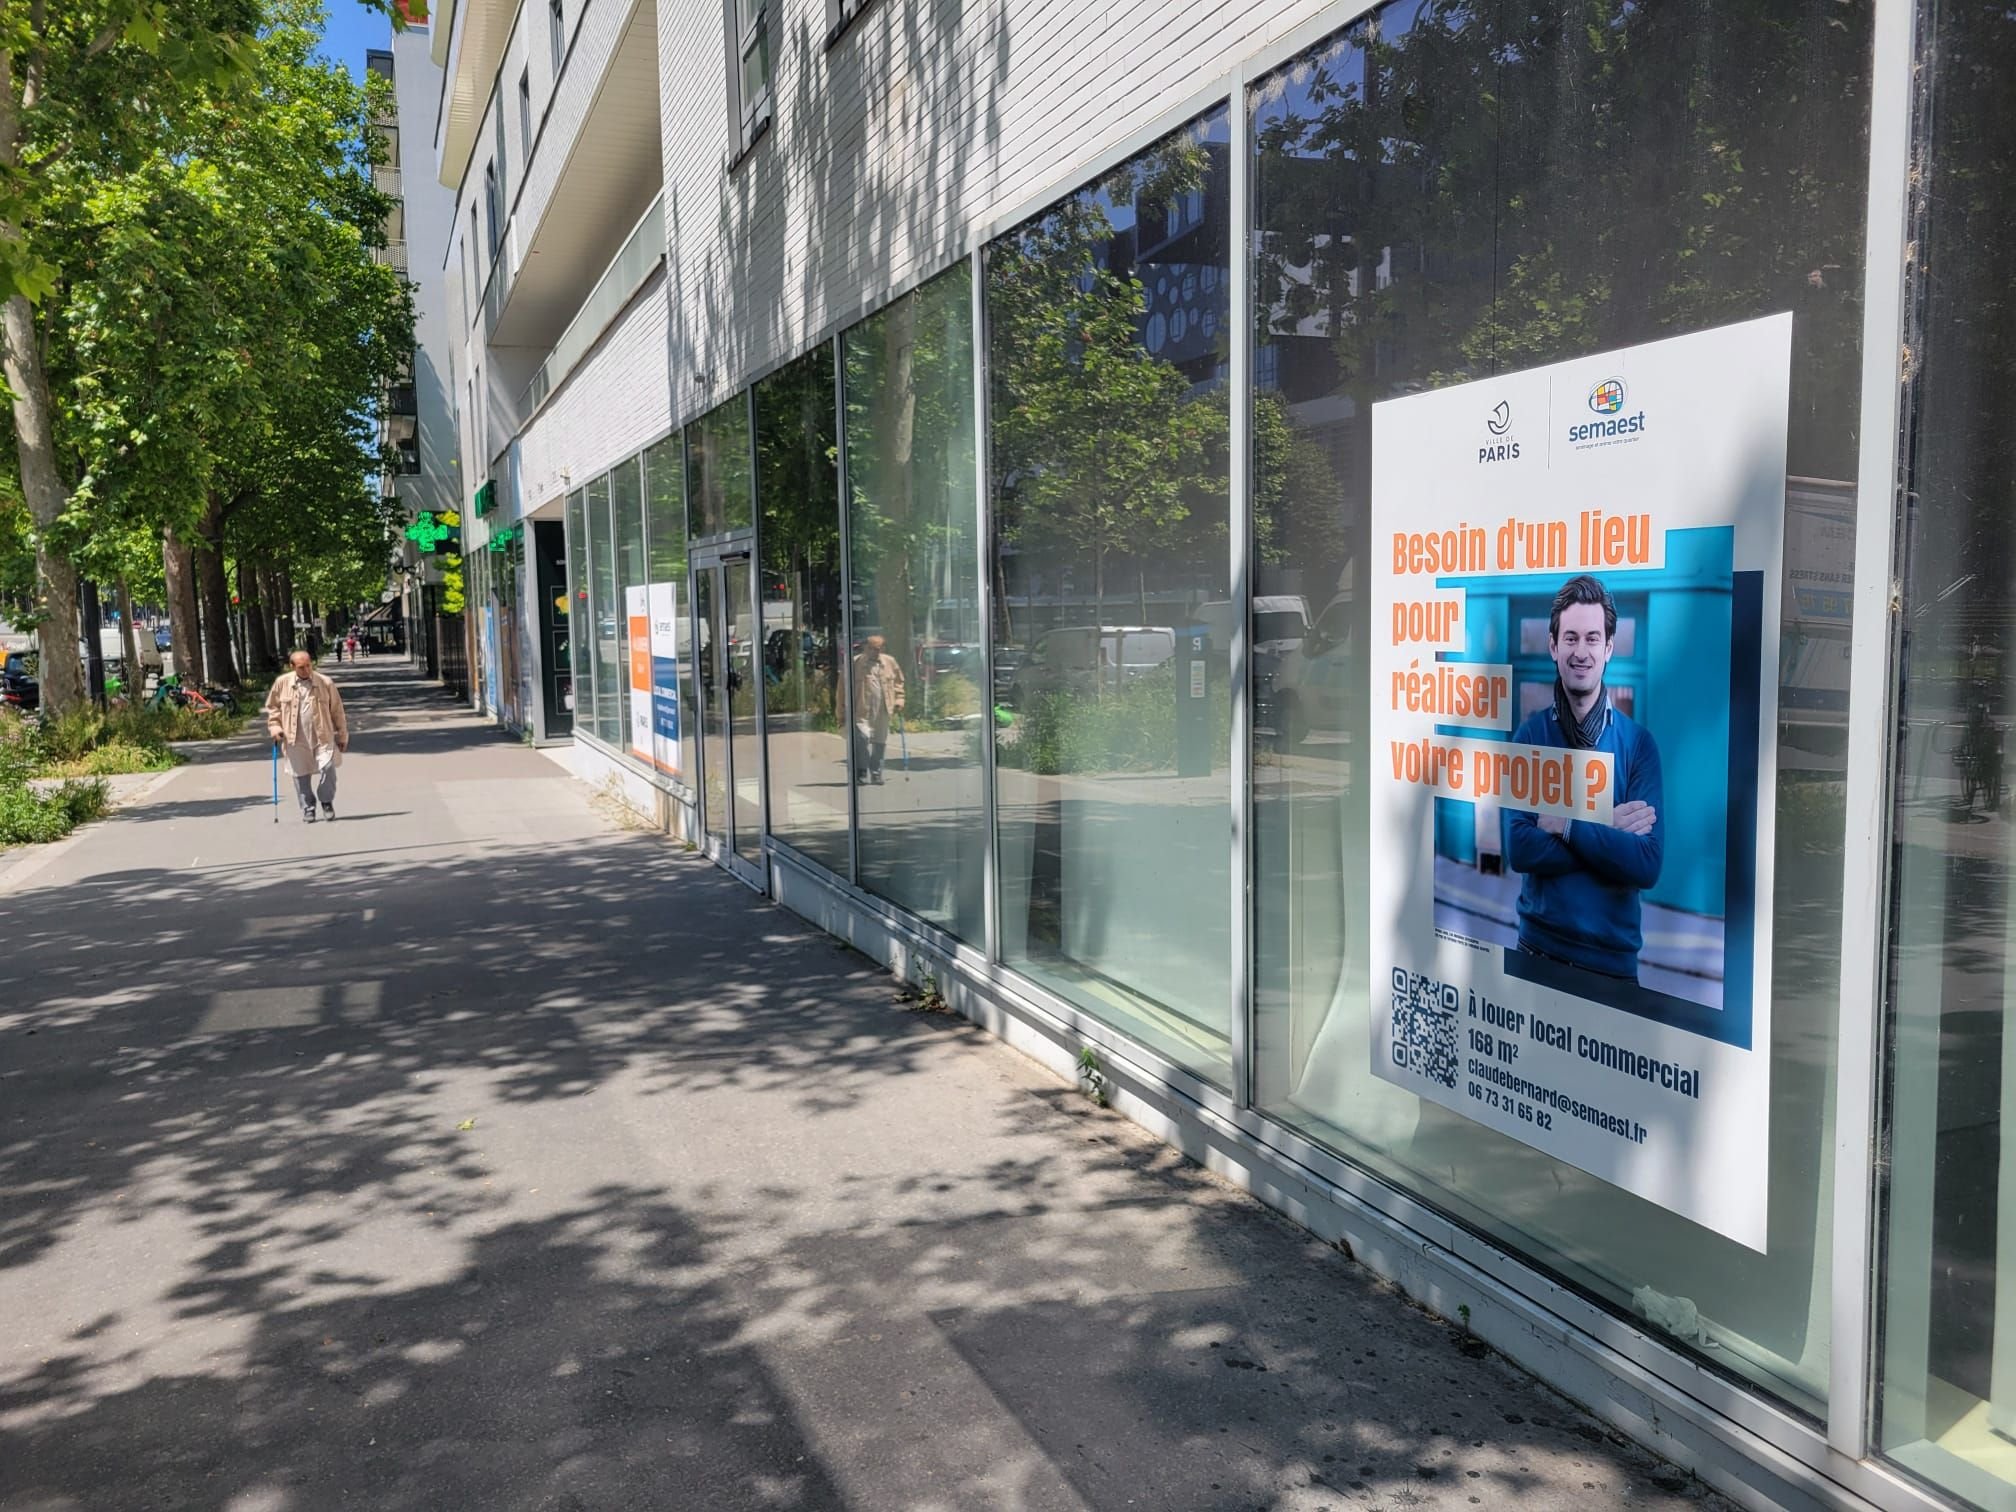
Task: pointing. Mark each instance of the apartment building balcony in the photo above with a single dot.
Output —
(593, 176)
(402, 399)
(477, 33)
(388, 180)
(393, 253)
(632, 268)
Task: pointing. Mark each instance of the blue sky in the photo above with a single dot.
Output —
(352, 28)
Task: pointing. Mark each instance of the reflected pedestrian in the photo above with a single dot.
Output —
(878, 694)
(304, 717)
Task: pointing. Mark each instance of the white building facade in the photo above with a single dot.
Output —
(420, 427)
(937, 458)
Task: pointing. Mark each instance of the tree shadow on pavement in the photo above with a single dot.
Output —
(513, 1175)
(539, 1372)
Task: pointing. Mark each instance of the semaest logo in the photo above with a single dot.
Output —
(1612, 427)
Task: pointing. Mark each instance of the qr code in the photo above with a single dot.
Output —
(1424, 1026)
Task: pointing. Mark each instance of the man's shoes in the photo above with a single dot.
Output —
(308, 815)
(876, 779)
(329, 811)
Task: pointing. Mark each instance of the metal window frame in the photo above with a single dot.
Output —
(1239, 405)
(757, 637)
(1866, 840)
(983, 545)
(846, 648)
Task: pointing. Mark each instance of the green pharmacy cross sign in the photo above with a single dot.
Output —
(430, 532)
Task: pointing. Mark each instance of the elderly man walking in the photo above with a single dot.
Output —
(878, 694)
(304, 715)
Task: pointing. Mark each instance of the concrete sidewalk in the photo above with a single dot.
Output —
(474, 1153)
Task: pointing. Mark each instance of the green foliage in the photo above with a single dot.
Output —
(454, 588)
(28, 818)
(1131, 728)
(19, 752)
(116, 758)
(909, 397)
(1092, 1077)
(226, 331)
(76, 736)
(1099, 446)
(952, 697)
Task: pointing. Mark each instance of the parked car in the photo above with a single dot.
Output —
(1088, 658)
(937, 657)
(19, 685)
(1280, 620)
(1310, 691)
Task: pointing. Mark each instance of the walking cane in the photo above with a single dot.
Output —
(276, 782)
(903, 734)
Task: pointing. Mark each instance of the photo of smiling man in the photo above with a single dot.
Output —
(1579, 902)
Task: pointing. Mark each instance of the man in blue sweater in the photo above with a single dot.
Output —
(1579, 903)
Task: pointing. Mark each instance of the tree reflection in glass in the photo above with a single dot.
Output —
(1108, 340)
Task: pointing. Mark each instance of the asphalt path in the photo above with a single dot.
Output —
(478, 1151)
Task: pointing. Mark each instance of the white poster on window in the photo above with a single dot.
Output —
(664, 643)
(1572, 753)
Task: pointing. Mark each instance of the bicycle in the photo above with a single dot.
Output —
(171, 692)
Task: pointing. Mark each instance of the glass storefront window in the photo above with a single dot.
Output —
(1948, 1355)
(1108, 331)
(805, 718)
(607, 615)
(626, 526)
(912, 508)
(1430, 208)
(580, 614)
(665, 545)
(717, 470)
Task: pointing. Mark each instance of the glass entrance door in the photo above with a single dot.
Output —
(713, 716)
(731, 758)
(745, 749)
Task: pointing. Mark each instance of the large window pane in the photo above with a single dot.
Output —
(717, 470)
(1453, 191)
(665, 538)
(1107, 321)
(608, 620)
(626, 526)
(1949, 1355)
(798, 489)
(913, 555)
(580, 617)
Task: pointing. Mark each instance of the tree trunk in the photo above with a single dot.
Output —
(93, 622)
(62, 670)
(129, 640)
(218, 664)
(184, 628)
(1098, 621)
(237, 630)
(269, 604)
(259, 659)
(290, 638)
